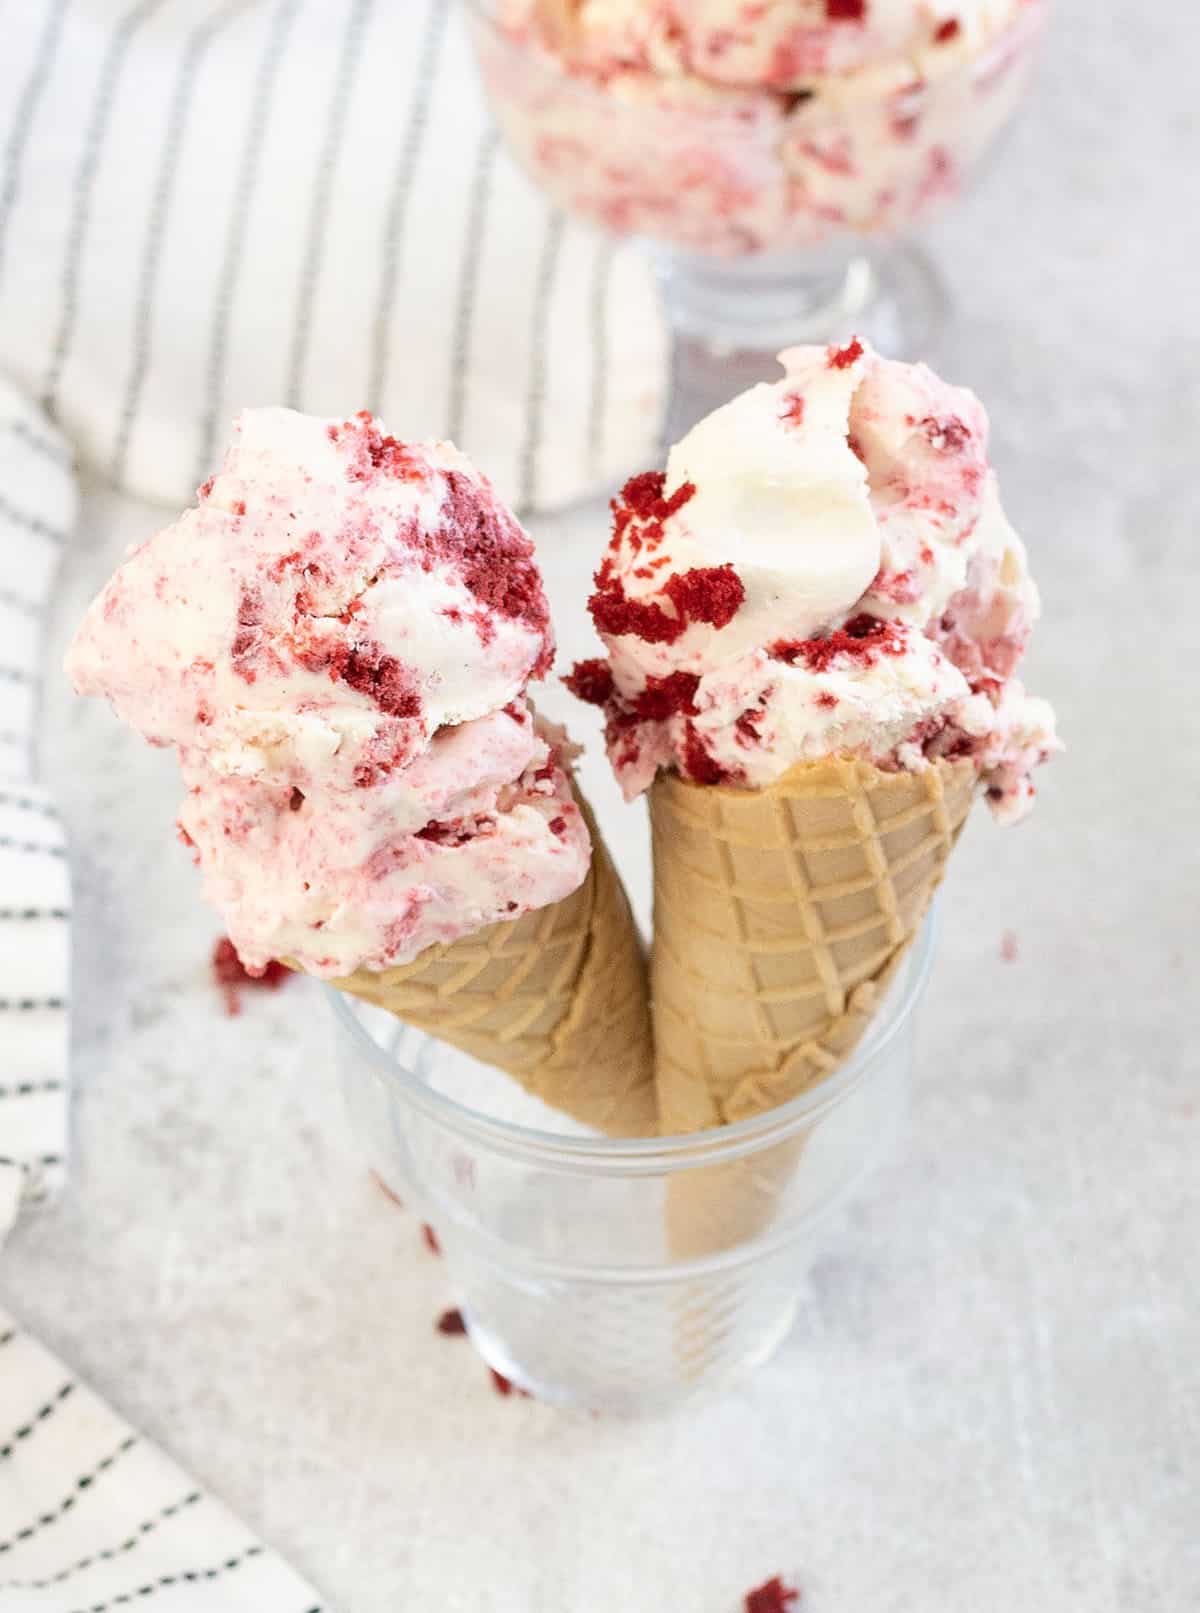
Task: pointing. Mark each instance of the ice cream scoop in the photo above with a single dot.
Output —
(823, 569)
(337, 640)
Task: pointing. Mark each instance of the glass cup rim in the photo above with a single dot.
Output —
(621, 1156)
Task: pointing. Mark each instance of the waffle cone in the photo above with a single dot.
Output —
(780, 917)
(556, 998)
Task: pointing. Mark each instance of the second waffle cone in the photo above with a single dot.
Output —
(779, 916)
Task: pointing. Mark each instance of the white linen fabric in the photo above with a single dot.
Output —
(210, 204)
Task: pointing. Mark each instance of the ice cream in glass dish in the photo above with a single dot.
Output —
(774, 155)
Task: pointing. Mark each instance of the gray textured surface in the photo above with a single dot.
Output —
(992, 1400)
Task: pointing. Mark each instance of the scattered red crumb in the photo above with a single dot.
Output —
(505, 1386)
(773, 1597)
(846, 10)
(926, 555)
(826, 700)
(863, 640)
(558, 826)
(296, 801)
(947, 30)
(451, 1323)
(185, 837)
(712, 594)
(667, 697)
(386, 1190)
(792, 412)
(1009, 948)
(239, 506)
(205, 488)
(698, 764)
(231, 975)
(856, 448)
(591, 681)
(947, 434)
(431, 1238)
(841, 358)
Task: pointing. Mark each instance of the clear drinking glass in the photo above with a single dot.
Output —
(771, 217)
(615, 1275)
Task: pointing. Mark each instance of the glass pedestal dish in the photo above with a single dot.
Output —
(777, 211)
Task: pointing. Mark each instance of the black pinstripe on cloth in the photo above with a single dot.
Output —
(93, 1517)
(302, 202)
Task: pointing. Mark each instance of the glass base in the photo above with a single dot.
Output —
(729, 320)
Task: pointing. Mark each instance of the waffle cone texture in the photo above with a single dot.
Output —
(557, 998)
(780, 917)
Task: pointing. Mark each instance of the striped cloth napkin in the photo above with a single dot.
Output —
(208, 204)
(38, 507)
(94, 1518)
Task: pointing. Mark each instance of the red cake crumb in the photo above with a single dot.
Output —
(248, 636)
(375, 453)
(947, 435)
(747, 725)
(365, 667)
(453, 833)
(616, 616)
(1009, 947)
(668, 697)
(642, 498)
(698, 764)
(792, 412)
(205, 488)
(505, 1386)
(841, 358)
(902, 586)
(451, 1323)
(591, 681)
(773, 1597)
(712, 594)
(947, 30)
(846, 10)
(431, 1238)
(863, 640)
(232, 975)
(495, 556)
(826, 700)
(386, 1190)
(558, 826)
